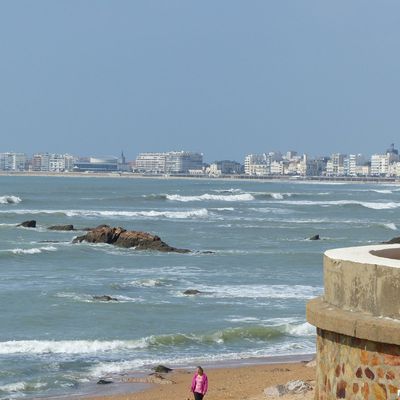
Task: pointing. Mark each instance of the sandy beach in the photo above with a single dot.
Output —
(234, 383)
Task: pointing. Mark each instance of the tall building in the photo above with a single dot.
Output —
(13, 161)
(41, 162)
(335, 166)
(173, 162)
(380, 164)
(96, 164)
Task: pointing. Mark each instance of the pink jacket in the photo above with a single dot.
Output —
(204, 383)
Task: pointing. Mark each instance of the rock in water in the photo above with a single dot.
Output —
(315, 237)
(105, 298)
(28, 224)
(191, 292)
(104, 382)
(61, 228)
(161, 369)
(395, 240)
(122, 238)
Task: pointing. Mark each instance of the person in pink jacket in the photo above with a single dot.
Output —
(199, 384)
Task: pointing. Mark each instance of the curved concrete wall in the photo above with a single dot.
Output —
(358, 321)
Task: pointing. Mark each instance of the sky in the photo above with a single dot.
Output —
(221, 77)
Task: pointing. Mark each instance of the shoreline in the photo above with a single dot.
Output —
(225, 178)
(133, 385)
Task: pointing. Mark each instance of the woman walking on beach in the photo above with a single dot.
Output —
(199, 384)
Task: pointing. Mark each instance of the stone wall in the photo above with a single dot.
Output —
(358, 324)
(352, 368)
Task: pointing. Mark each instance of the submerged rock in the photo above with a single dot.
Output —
(161, 369)
(105, 298)
(395, 240)
(315, 237)
(104, 382)
(61, 228)
(28, 224)
(191, 292)
(122, 238)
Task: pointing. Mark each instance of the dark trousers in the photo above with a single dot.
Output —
(198, 396)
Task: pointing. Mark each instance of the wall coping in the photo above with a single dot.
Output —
(363, 255)
(355, 324)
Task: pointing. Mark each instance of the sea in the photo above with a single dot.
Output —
(251, 259)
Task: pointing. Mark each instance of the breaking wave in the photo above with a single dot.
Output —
(223, 336)
(261, 291)
(10, 200)
(213, 197)
(366, 204)
(35, 250)
(196, 213)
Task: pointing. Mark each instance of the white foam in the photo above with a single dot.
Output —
(304, 329)
(277, 196)
(261, 291)
(68, 346)
(195, 213)
(212, 197)
(10, 200)
(391, 226)
(88, 298)
(13, 387)
(35, 250)
(372, 205)
(383, 191)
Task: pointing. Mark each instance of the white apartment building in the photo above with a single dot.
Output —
(173, 162)
(13, 161)
(335, 166)
(52, 162)
(380, 164)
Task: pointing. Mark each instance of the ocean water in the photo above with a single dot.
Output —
(55, 338)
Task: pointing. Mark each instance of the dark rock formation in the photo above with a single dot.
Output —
(28, 224)
(105, 298)
(315, 237)
(191, 292)
(61, 228)
(161, 369)
(395, 240)
(104, 382)
(123, 238)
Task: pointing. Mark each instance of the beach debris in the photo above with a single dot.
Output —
(395, 240)
(291, 387)
(315, 237)
(312, 363)
(162, 369)
(28, 224)
(191, 292)
(104, 382)
(105, 298)
(122, 238)
(61, 228)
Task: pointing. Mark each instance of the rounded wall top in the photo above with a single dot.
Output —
(364, 279)
(384, 254)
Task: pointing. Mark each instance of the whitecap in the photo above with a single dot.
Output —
(68, 346)
(10, 200)
(35, 250)
(211, 197)
(366, 204)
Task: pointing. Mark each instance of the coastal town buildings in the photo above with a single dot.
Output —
(173, 162)
(13, 161)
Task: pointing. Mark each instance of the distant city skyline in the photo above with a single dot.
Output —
(224, 78)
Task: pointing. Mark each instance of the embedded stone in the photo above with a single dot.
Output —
(337, 370)
(365, 391)
(355, 388)
(379, 391)
(380, 372)
(374, 360)
(390, 375)
(369, 374)
(364, 357)
(341, 390)
(359, 373)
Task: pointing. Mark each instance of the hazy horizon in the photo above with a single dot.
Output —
(223, 78)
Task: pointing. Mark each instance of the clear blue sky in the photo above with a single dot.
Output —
(223, 77)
